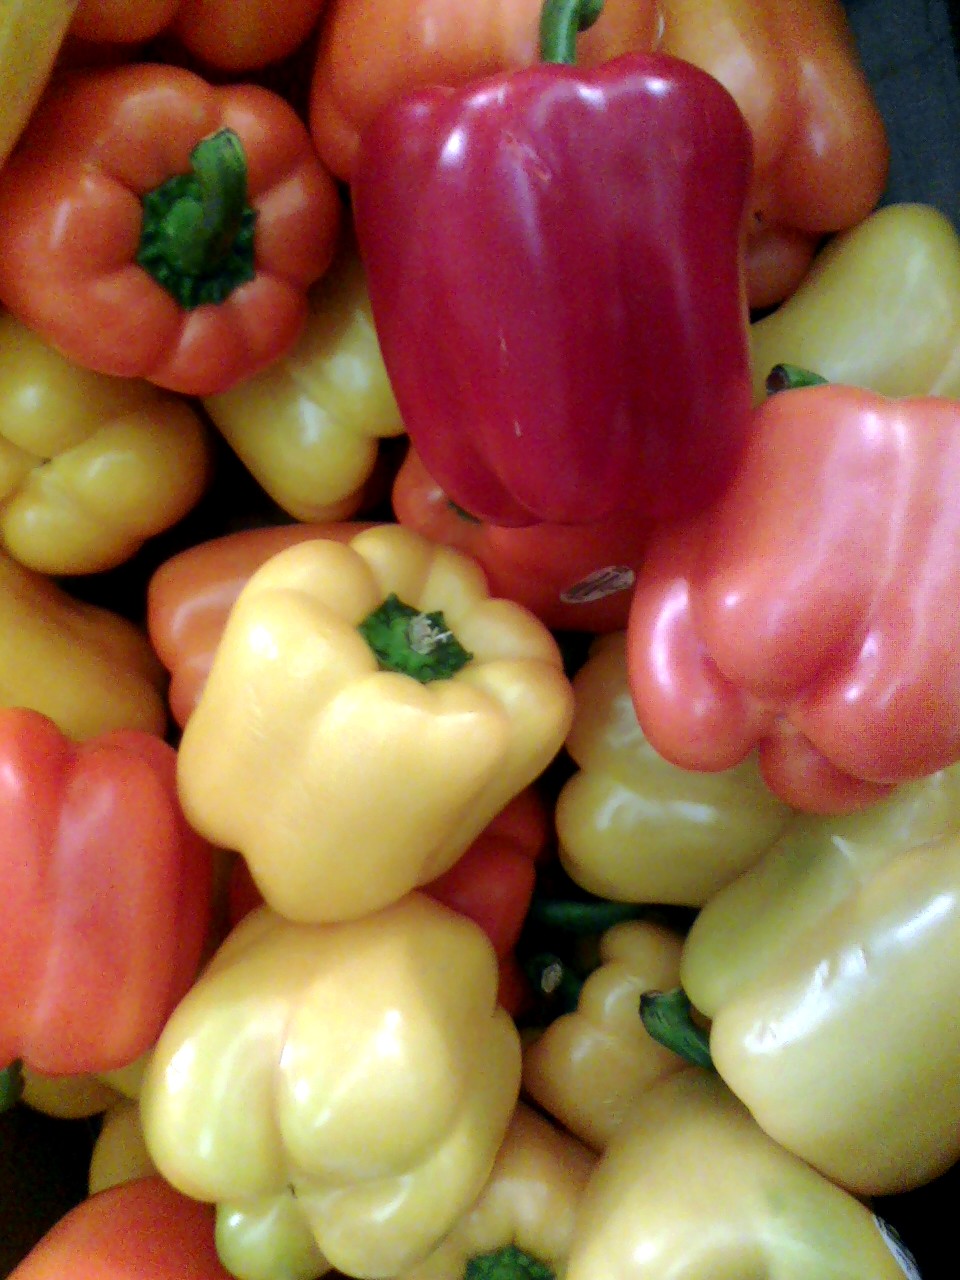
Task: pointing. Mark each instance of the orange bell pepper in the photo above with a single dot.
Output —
(153, 225)
(233, 35)
(820, 149)
(190, 595)
(573, 577)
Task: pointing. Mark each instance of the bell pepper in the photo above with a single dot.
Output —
(828, 971)
(190, 595)
(573, 577)
(692, 1188)
(129, 1232)
(31, 32)
(308, 428)
(377, 1074)
(144, 191)
(545, 375)
(226, 34)
(107, 894)
(345, 672)
(523, 1221)
(119, 1151)
(820, 148)
(85, 667)
(587, 1067)
(879, 308)
(810, 614)
(90, 466)
(633, 827)
(71, 1097)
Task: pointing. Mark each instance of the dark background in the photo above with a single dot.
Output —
(910, 51)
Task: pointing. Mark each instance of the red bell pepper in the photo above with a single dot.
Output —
(106, 895)
(813, 613)
(153, 225)
(142, 1230)
(555, 267)
(573, 577)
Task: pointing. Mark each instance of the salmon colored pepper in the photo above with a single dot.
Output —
(632, 826)
(811, 613)
(107, 894)
(368, 696)
(573, 577)
(820, 149)
(201, 211)
(232, 35)
(85, 667)
(309, 427)
(379, 1077)
(90, 466)
(190, 595)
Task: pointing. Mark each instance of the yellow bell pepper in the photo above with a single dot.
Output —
(365, 1065)
(31, 32)
(879, 308)
(119, 1152)
(90, 466)
(67, 1097)
(345, 785)
(633, 827)
(523, 1222)
(87, 668)
(587, 1067)
(693, 1189)
(309, 427)
(268, 1239)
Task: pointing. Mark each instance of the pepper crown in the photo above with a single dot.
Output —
(414, 643)
(508, 1263)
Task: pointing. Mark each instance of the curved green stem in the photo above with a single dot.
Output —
(666, 1015)
(11, 1085)
(551, 977)
(789, 377)
(561, 21)
(582, 918)
(196, 238)
(414, 643)
(508, 1263)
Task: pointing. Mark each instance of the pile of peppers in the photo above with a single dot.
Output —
(479, 670)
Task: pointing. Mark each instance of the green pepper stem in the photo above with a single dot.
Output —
(551, 977)
(416, 644)
(582, 918)
(790, 377)
(196, 238)
(11, 1085)
(508, 1263)
(561, 21)
(667, 1017)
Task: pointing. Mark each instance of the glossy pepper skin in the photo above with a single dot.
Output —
(573, 577)
(879, 308)
(90, 466)
(693, 1188)
(72, 212)
(810, 613)
(632, 826)
(829, 971)
(587, 1067)
(107, 895)
(31, 32)
(560, 310)
(309, 427)
(379, 1078)
(87, 668)
(525, 1212)
(303, 747)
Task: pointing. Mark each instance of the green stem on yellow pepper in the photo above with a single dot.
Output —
(561, 21)
(582, 917)
(790, 377)
(552, 977)
(667, 1017)
(412, 642)
(11, 1085)
(508, 1263)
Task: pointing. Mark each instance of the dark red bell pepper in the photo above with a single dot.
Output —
(555, 267)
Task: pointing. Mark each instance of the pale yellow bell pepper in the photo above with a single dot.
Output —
(879, 308)
(345, 785)
(88, 669)
(635, 828)
(119, 1152)
(67, 1097)
(523, 1222)
(268, 1238)
(588, 1067)
(365, 1065)
(31, 32)
(90, 466)
(693, 1189)
(309, 427)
